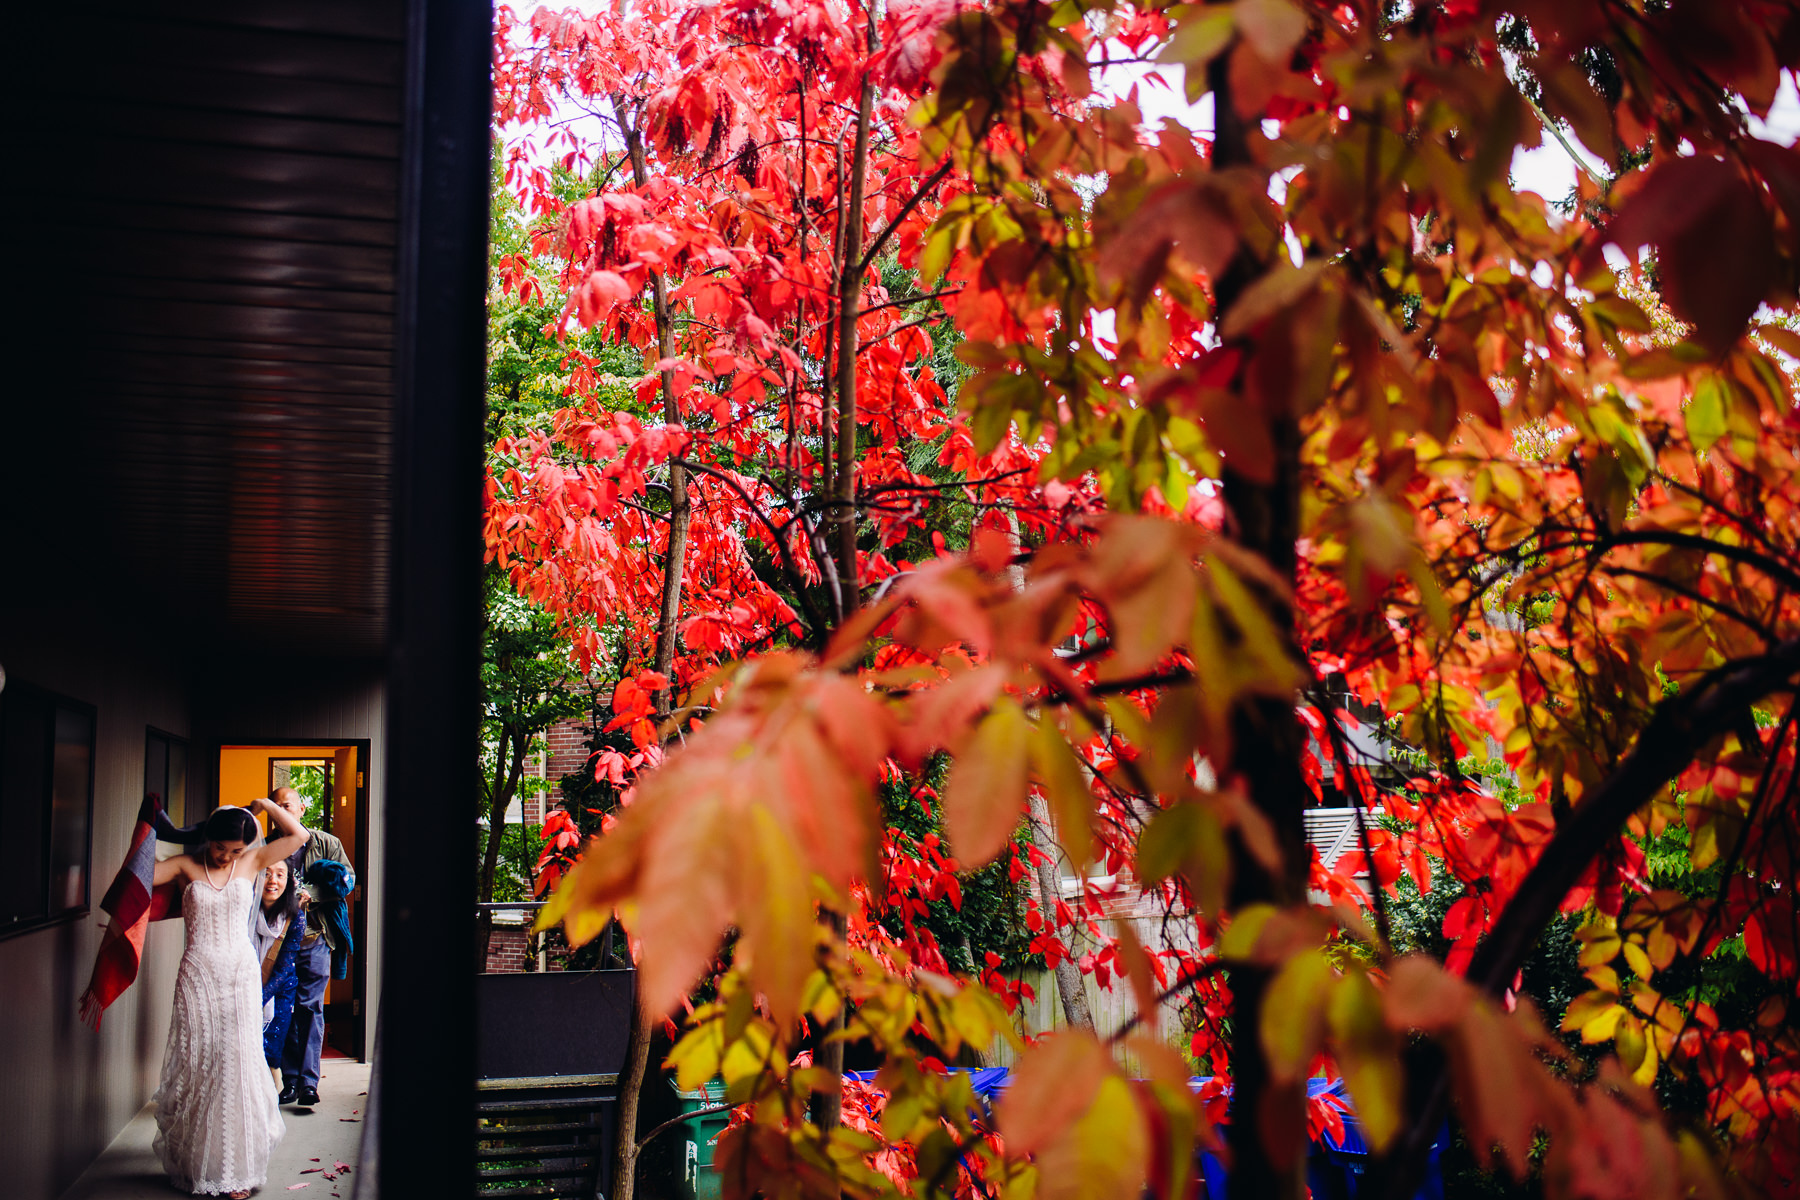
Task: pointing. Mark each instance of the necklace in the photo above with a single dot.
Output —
(217, 887)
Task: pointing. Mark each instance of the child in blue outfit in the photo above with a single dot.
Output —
(277, 925)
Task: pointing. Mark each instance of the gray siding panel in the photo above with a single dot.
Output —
(68, 1090)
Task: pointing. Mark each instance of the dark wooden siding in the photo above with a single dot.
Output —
(214, 241)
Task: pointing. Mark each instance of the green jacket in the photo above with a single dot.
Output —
(319, 844)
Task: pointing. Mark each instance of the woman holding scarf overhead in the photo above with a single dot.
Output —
(217, 1119)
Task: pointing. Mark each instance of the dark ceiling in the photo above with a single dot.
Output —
(218, 224)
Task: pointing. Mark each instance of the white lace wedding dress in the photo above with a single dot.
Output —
(217, 1113)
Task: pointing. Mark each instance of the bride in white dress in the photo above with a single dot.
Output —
(216, 1113)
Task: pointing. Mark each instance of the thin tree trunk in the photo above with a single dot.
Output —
(1266, 747)
(1069, 985)
(637, 1055)
(849, 302)
(631, 1090)
(509, 770)
(827, 1107)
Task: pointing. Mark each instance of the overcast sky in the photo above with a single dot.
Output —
(1547, 170)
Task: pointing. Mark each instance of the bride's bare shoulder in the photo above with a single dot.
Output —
(180, 867)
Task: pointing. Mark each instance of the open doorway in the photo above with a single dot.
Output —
(333, 777)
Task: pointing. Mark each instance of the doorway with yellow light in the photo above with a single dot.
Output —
(333, 777)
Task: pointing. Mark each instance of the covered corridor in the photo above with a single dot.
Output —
(306, 1161)
(240, 492)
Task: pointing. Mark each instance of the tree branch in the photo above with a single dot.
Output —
(906, 300)
(788, 565)
(913, 201)
(708, 1111)
(1680, 726)
(1677, 730)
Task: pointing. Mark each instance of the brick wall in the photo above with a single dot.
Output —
(568, 747)
(506, 950)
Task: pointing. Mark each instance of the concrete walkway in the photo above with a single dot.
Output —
(315, 1142)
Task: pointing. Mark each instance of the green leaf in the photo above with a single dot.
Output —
(1240, 937)
(1620, 312)
(1189, 839)
(936, 254)
(1705, 413)
(1203, 30)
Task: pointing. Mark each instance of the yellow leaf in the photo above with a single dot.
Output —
(1595, 1014)
(985, 794)
(1638, 961)
(1271, 669)
(1368, 1054)
(1705, 413)
(821, 1000)
(1604, 978)
(1175, 733)
(779, 930)
(1629, 1043)
(1065, 786)
(1240, 937)
(1293, 1015)
(749, 1056)
(1660, 946)
(1103, 1154)
(979, 1017)
(1053, 1084)
(1599, 944)
(696, 1056)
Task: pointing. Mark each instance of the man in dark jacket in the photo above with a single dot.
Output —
(306, 1036)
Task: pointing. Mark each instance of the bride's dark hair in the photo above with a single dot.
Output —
(231, 824)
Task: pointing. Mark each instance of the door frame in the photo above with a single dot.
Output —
(359, 967)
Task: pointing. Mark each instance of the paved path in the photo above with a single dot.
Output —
(327, 1135)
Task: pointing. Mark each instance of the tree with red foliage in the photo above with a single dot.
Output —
(1417, 395)
(752, 181)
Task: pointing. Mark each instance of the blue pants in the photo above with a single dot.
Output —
(306, 1038)
(276, 1031)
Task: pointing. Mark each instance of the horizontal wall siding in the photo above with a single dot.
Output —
(68, 1090)
(1110, 1006)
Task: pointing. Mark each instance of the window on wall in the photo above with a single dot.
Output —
(46, 807)
(165, 773)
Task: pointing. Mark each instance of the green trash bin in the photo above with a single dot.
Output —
(700, 1137)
